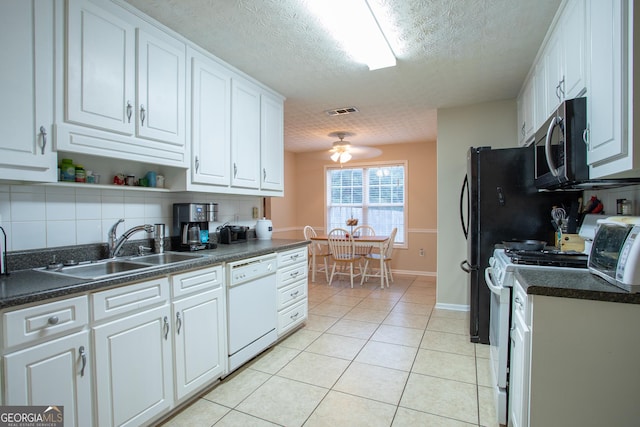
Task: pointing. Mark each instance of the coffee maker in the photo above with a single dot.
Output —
(191, 223)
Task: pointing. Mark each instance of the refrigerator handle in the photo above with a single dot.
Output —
(465, 186)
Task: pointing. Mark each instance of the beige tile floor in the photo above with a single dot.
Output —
(366, 357)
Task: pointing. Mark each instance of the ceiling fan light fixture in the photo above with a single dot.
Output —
(354, 24)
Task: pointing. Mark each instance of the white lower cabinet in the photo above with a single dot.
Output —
(199, 329)
(47, 358)
(292, 289)
(573, 362)
(133, 355)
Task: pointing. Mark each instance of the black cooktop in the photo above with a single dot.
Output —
(548, 257)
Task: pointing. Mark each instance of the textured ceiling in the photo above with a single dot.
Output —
(449, 53)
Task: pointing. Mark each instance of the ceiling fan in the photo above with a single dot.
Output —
(342, 151)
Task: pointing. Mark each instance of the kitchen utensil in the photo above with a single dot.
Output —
(193, 236)
(525, 245)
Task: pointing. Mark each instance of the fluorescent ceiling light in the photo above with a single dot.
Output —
(354, 25)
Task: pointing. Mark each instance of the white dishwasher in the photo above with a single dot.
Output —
(252, 307)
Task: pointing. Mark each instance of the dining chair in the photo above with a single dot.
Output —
(320, 251)
(363, 230)
(386, 255)
(342, 253)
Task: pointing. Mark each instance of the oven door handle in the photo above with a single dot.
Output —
(492, 287)
(555, 121)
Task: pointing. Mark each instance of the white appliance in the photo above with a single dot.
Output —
(615, 252)
(251, 308)
(500, 279)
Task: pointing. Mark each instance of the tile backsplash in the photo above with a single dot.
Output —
(609, 197)
(45, 216)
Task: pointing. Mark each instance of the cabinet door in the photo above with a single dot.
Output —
(245, 135)
(56, 372)
(573, 24)
(26, 84)
(133, 358)
(100, 69)
(210, 122)
(526, 104)
(553, 73)
(607, 90)
(519, 374)
(272, 143)
(161, 88)
(540, 95)
(199, 334)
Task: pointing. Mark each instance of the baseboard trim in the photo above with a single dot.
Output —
(415, 272)
(454, 307)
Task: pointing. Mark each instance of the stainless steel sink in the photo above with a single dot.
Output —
(97, 270)
(165, 258)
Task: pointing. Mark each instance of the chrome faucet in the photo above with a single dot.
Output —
(115, 244)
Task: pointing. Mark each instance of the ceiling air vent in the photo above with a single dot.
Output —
(341, 111)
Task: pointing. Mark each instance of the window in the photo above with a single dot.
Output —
(375, 195)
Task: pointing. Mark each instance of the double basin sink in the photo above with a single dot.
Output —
(113, 267)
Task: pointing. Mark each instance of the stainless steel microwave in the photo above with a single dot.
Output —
(560, 151)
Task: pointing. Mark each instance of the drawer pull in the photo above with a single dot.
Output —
(294, 316)
(294, 294)
(53, 320)
(166, 328)
(295, 257)
(178, 323)
(83, 356)
(294, 273)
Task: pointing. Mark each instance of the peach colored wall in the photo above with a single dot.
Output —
(305, 196)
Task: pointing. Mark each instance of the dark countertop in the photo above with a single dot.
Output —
(27, 286)
(580, 284)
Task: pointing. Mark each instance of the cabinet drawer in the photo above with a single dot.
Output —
(292, 316)
(290, 294)
(129, 298)
(44, 321)
(198, 280)
(288, 258)
(287, 276)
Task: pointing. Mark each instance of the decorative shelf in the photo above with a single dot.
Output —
(106, 186)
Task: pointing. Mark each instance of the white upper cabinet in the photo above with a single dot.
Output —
(100, 69)
(26, 83)
(245, 135)
(526, 104)
(610, 146)
(210, 122)
(272, 143)
(161, 87)
(574, 63)
(125, 87)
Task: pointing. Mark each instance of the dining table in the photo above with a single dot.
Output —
(360, 241)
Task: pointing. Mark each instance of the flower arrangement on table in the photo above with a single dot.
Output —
(351, 222)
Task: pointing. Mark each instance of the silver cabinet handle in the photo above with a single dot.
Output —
(43, 132)
(294, 273)
(585, 136)
(129, 111)
(197, 164)
(178, 323)
(294, 294)
(83, 357)
(295, 257)
(166, 327)
(235, 170)
(293, 316)
(143, 114)
(264, 174)
(518, 302)
(53, 320)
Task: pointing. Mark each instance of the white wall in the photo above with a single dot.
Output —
(490, 124)
(608, 198)
(40, 216)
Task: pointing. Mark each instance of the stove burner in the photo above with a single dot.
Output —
(548, 257)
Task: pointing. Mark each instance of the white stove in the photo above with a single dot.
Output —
(500, 278)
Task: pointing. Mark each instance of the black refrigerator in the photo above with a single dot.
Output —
(499, 202)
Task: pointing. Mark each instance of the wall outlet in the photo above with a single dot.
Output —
(421, 252)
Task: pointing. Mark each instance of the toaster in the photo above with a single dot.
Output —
(233, 234)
